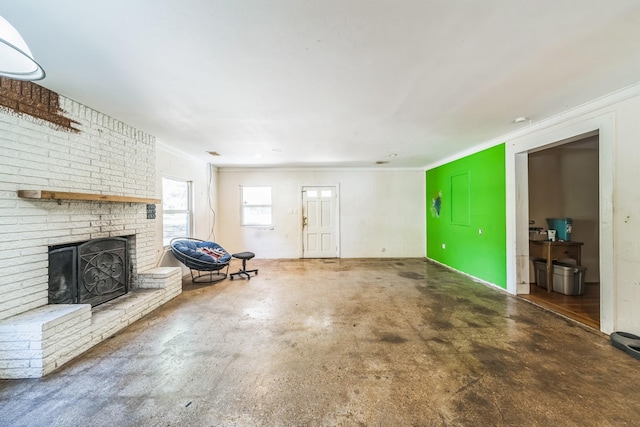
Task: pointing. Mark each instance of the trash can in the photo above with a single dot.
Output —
(568, 279)
(540, 268)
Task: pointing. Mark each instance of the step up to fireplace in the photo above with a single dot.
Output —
(35, 343)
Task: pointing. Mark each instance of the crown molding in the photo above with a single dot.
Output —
(572, 113)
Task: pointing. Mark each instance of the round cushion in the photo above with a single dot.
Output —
(244, 255)
(196, 250)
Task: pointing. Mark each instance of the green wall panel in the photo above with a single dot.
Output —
(460, 203)
(465, 197)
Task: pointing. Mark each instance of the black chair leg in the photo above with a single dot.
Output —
(208, 276)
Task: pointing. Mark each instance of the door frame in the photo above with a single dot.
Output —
(337, 218)
(517, 152)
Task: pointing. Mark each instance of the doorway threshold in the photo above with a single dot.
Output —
(584, 309)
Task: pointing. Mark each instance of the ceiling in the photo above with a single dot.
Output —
(297, 83)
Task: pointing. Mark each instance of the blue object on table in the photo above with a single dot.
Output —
(562, 226)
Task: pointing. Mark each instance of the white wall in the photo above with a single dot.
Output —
(580, 188)
(173, 164)
(626, 219)
(378, 209)
(545, 193)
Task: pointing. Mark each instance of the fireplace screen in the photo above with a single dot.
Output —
(93, 272)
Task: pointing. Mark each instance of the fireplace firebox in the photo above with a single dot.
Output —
(92, 272)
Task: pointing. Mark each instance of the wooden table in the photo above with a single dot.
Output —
(549, 251)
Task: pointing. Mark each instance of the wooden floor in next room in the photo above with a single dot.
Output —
(584, 308)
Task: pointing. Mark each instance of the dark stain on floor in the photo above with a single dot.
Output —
(411, 275)
(392, 339)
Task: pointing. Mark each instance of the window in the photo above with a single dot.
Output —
(256, 205)
(176, 209)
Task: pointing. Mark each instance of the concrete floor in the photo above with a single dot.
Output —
(339, 343)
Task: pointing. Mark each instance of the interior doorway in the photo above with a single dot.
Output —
(320, 228)
(564, 183)
(517, 152)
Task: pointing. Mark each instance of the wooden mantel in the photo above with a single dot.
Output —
(61, 195)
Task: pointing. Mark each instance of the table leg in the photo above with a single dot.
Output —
(549, 273)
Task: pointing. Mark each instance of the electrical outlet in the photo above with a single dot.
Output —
(480, 231)
(444, 246)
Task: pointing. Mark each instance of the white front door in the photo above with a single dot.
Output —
(319, 222)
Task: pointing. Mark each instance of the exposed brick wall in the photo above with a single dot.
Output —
(22, 97)
(104, 156)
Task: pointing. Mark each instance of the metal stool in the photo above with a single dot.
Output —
(244, 256)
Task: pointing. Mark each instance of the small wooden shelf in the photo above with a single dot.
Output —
(62, 195)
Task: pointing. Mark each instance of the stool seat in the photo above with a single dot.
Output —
(244, 256)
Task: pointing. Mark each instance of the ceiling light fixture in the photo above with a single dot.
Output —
(520, 120)
(214, 153)
(16, 60)
(392, 155)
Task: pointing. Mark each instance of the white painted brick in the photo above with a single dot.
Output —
(8, 220)
(44, 234)
(20, 354)
(62, 240)
(22, 297)
(7, 117)
(9, 170)
(14, 364)
(81, 154)
(20, 336)
(82, 234)
(108, 331)
(99, 235)
(4, 194)
(70, 327)
(23, 280)
(36, 363)
(99, 188)
(15, 346)
(8, 203)
(24, 306)
(17, 260)
(20, 267)
(35, 344)
(17, 290)
(22, 373)
(24, 180)
(67, 345)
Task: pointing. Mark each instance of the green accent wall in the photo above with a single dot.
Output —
(464, 197)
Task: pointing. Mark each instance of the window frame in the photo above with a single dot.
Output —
(243, 206)
(188, 211)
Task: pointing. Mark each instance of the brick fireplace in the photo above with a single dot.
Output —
(78, 150)
(91, 272)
